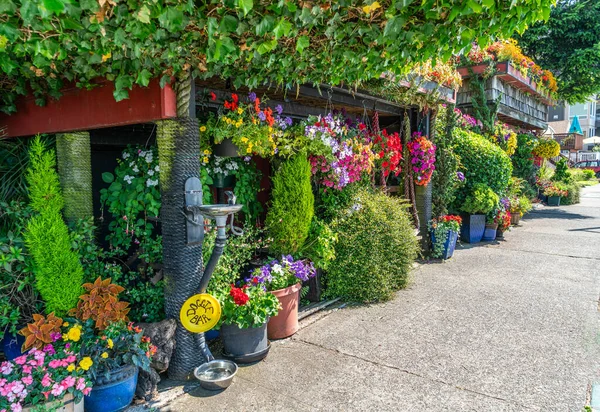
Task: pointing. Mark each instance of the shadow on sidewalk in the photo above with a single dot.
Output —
(553, 214)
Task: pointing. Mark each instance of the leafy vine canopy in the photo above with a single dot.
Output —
(45, 44)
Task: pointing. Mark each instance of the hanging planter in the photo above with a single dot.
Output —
(222, 181)
(286, 322)
(226, 148)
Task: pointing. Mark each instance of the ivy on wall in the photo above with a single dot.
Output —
(45, 44)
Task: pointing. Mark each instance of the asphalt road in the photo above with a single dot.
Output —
(502, 326)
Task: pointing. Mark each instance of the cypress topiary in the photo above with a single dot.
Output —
(57, 269)
(292, 209)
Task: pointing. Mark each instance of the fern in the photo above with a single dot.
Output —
(289, 218)
(57, 269)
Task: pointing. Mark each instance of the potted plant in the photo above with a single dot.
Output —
(519, 205)
(49, 375)
(491, 226)
(114, 350)
(444, 232)
(504, 219)
(222, 171)
(284, 279)
(245, 312)
(554, 194)
(480, 201)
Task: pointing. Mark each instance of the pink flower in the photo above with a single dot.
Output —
(16, 407)
(21, 360)
(46, 381)
(27, 369)
(18, 387)
(6, 368)
(46, 394)
(49, 349)
(55, 336)
(80, 384)
(87, 391)
(57, 389)
(71, 359)
(68, 382)
(27, 380)
(55, 363)
(68, 345)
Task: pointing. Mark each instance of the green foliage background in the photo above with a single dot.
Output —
(292, 209)
(375, 250)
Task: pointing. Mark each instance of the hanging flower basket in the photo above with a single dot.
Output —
(226, 149)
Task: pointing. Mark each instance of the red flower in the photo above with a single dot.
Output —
(238, 295)
(255, 280)
(235, 98)
(361, 126)
(213, 96)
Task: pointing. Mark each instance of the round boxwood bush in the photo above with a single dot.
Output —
(481, 200)
(375, 250)
(481, 162)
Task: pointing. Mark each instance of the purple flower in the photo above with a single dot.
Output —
(460, 176)
(49, 349)
(247, 159)
(288, 121)
(279, 109)
(252, 97)
(262, 116)
(55, 336)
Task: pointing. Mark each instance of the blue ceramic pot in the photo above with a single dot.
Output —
(114, 393)
(490, 232)
(211, 334)
(449, 245)
(11, 346)
(553, 200)
(472, 228)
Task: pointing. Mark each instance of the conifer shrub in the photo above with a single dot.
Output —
(375, 249)
(57, 269)
(292, 209)
(482, 162)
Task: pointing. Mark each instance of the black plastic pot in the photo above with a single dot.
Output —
(226, 149)
(244, 343)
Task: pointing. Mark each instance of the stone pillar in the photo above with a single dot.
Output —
(73, 154)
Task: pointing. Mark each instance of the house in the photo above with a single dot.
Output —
(562, 115)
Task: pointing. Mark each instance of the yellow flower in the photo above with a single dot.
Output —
(240, 110)
(238, 124)
(71, 367)
(106, 56)
(110, 343)
(228, 121)
(206, 152)
(249, 150)
(244, 139)
(104, 355)
(74, 334)
(86, 363)
(65, 324)
(65, 336)
(205, 159)
(253, 120)
(202, 128)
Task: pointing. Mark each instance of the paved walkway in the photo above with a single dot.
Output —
(509, 326)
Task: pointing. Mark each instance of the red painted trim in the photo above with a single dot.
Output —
(80, 109)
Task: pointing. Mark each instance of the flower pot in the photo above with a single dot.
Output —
(490, 232)
(221, 181)
(114, 393)
(286, 322)
(11, 346)
(515, 218)
(226, 149)
(553, 200)
(499, 233)
(245, 345)
(66, 404)
(211, 334)
(472, 228)
(449, 244)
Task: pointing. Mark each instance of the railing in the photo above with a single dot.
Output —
(585, 156)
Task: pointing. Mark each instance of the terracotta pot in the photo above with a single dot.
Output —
(286, 322)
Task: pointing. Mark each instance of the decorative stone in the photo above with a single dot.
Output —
(147, 385)
(162, 335)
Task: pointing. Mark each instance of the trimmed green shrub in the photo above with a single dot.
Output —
(57, 269)
(481, 200)
(522, 159)
(292, 209)
(481, 162)
(320, 244)
(375, 250)
(561, 173)
(588, 174)
(444, 179)
(574, 192)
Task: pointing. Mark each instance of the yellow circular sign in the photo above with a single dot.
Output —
(200, 313)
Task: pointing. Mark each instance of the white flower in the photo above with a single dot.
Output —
(157, 169)
(277, 268)
(150, 182)
(150, 172)
(125, 155)
(131, 164)
(149, 158)
(141, 153)
(128, 179)
(135, 169)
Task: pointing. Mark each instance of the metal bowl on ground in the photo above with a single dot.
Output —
(216, 375)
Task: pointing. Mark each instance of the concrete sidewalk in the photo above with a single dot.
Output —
(502, 326)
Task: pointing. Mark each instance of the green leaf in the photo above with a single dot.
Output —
(29, 9)
(53, 6)
(488, 3)
(143, 78)
(302, 43)
(393, 27)
(7, 7)
(228, 24)
(475, 6)
(245, 5)
(108, 177)
(266, 46)
(283, 28)
(171, 19)
(72, 24)
(143, 14)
